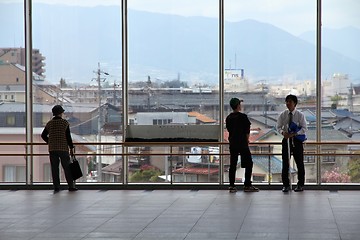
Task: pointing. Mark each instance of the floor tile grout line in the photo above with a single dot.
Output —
(289, 219)
(332, 211)
(246, 213)
(64, 220)
(138, 200)
(155, 217)
(210, 204)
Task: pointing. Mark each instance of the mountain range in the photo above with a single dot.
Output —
(74, 39)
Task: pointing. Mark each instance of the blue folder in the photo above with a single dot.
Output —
(293, 128)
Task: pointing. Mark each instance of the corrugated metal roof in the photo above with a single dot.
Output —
(263, 120)
(342, 112)
(327, 133)
(327, 114)
(263, 163)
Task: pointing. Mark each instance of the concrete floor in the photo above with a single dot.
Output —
(179, 214)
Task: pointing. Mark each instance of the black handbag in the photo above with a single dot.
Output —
(75, 168)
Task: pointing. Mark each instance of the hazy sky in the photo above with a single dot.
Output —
(294, 16)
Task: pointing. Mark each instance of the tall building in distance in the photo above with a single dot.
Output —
(17, 56)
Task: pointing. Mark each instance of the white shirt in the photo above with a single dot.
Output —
(298, 118)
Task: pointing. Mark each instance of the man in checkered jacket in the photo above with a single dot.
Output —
(57, 135)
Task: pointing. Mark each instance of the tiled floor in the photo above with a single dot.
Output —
(179, 214)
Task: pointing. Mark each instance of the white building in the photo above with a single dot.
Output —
(235, 81)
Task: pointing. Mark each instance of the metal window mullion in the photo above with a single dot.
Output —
(124, 34)
(28, 90)
(221, 85)
(318, 89)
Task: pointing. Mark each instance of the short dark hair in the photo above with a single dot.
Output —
(291, 97)
(234, 102)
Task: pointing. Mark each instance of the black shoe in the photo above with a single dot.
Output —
(299, 188)
(250, 188)
(56, 190)
(232, 189)
(285, 189)
(73, 189)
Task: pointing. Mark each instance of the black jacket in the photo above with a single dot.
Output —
(238, 126)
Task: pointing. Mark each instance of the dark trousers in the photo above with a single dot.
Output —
(296, 150)
(246, 162)
(55, 158)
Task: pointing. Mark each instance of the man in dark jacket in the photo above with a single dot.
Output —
(238, 126)
(57, 135)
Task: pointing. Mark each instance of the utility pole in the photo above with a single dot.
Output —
(351, 104)
(99, 79)
(264, 92)
(114, 94)
(115, 85)
(148, 90)
(350, 98)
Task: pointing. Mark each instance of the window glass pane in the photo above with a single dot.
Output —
(266, 58)
(270, 51)
(78, 65)
(173, 80)
(10, 120)
(340, 83)
(13, 171)
(12, 89)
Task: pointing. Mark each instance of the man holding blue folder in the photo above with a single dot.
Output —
(292, 125)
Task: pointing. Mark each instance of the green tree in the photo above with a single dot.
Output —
(335, 99)
(174, 84)
(354, 170)
(63, 83)
(91, 161)
(146, 174)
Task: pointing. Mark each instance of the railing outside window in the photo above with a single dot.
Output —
(174, 164)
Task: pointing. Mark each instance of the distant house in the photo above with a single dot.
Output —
(348, 125)
(83, 118)
(170, 118)
(13, 115)
(201, 118)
